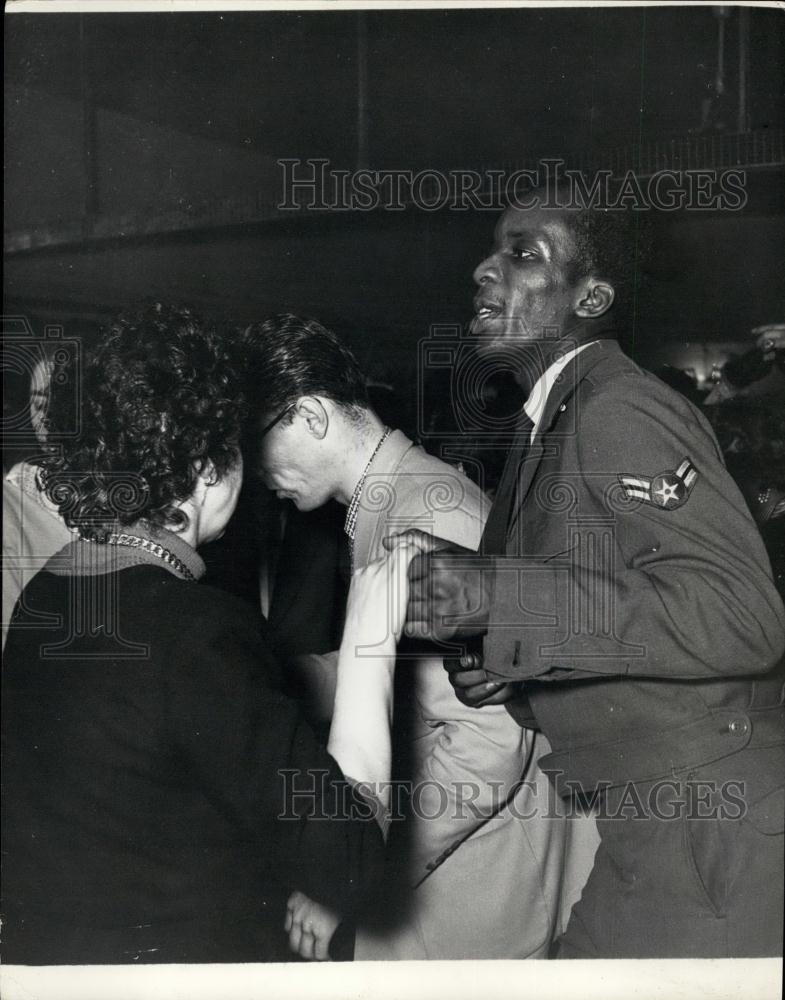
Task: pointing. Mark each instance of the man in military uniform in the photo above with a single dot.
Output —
(625, 607)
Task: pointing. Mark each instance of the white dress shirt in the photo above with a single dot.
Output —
(538, 397)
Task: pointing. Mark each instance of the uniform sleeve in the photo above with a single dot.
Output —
(468, 765)
(263, 766)
(665, 574)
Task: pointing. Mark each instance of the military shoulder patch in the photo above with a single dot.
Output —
(667, 490)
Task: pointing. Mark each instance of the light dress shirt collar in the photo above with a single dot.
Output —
(534, 406)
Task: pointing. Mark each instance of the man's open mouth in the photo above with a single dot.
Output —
(487, 308)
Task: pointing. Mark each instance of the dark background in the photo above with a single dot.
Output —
(141, 149)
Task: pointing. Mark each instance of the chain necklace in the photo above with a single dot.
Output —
(350, 524)
(154, 548)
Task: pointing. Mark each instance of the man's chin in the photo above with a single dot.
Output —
(507, 342)
(305, 504)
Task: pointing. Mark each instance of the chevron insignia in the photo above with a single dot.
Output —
(668, 490)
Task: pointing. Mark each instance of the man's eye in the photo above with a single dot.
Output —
(522, 253)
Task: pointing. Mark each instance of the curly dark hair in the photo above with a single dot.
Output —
(161, 396)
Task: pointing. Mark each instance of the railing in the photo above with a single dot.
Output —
(760, 149)
(716, 151)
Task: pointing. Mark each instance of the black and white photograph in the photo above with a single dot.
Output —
(393, 500)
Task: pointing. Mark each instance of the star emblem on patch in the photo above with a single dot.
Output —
(667, 490)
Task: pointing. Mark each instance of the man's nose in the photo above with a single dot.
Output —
(487, 271)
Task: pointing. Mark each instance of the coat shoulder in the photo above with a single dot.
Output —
(428, 487)
(617, 394)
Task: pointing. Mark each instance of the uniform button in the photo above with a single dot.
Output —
(738, 727)
(562, 408)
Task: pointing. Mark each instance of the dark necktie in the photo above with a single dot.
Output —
(495, 534)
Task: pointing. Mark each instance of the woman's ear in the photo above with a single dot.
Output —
(594, 299)
(206, 476)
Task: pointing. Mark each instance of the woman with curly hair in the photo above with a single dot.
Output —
(163, 798)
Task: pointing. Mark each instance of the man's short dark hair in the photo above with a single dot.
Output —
(289, 357)
(612, 244)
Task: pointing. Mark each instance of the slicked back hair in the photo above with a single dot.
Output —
(289, 356)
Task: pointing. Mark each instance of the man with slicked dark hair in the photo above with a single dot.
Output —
(476, 797)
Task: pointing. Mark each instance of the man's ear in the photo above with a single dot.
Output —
(314, 412)
(594, 299)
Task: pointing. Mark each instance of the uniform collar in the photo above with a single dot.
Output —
(578, 367)
(537, 400)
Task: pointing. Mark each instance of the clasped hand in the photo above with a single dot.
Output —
(310, 926)
(449, 588)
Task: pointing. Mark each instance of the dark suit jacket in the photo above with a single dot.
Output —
(147, 755)
(309, 588)
(643, 630)
(309, 595)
